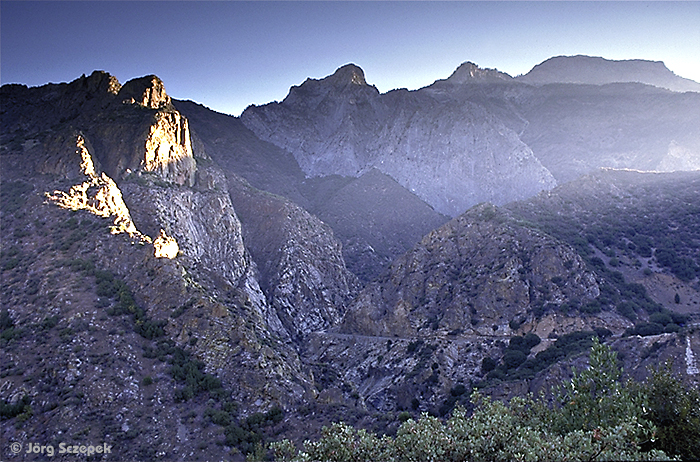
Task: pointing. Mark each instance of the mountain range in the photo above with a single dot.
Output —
(193, 283)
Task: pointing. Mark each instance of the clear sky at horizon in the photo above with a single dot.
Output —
(229, 54)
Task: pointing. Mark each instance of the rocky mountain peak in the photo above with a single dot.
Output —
(148, 91)
(469, 72)
(348, 74)
(595, 70)
(100, 82)
(123, 138)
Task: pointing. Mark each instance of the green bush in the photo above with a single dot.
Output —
(661, 317)
(513, 358)
(645, 329)
(488, 364)
(626, 309)
(5, 320)
(8, 411)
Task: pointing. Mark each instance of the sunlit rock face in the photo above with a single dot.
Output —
(131, 152)
(168, 150)
(165, 246)
(156, 141)
(131, 129)
(148, 91)
(99, 194)
(167, 145)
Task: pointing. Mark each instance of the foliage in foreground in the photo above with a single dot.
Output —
(593, 417)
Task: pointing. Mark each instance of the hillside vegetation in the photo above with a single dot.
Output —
(595, 416)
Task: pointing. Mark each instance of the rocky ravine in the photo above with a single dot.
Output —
(374, 217)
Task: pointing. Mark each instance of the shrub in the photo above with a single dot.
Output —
(626, 309)
(8, 411)
(591, 308)
(5, 320)
(413, 346)
(458, 390)
(646, 328)
(514, 358)
(531, 340)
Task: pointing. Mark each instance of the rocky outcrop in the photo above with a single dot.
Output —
(469, 72)
(148, 91)
(197, 280)
(132, 129)
(594, 70)
(323, 123)
(475, 274)
(155, 141)
(301, 264)
(99, 195)
(165, 246)
(169, 150)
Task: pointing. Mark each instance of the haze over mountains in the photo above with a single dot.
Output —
(191, 277)
(480, 135)
(600, 71)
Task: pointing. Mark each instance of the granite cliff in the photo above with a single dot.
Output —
(452, 154)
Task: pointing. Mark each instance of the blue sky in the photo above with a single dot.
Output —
(229, 54)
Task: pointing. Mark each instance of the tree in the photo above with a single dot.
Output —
(595, 397)
(675, 410)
